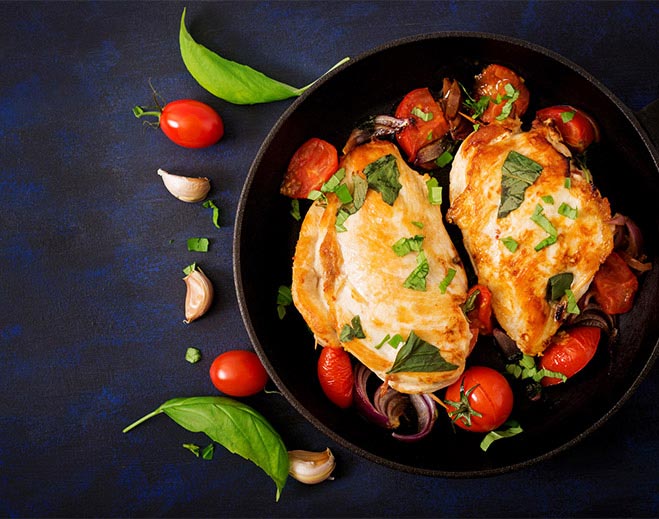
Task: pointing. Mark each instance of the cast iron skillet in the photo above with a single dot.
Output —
(625, 167)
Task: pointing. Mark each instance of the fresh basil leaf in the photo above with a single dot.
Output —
(208, 451)
(231, 81)
(566, 117)
(424, 116)
(417, 279)
(511, 96)
(572, 306)
(443, 285)
(470, 302)
(548, 199)
(198, 244)
(352, 331)
(418, 224)
(284, 299)
(558, 284)
(568, 211)
(209, 204)
(406, 245)
(419, 356)
(510, 243)
(382, 176)
(234, 425)
(518, 173)
(395, 341)
(192, 355)
(512, 429)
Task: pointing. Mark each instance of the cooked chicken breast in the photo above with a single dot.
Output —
(520, 232)
(352, 277)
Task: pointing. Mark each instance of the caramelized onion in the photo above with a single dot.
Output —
(375, 127)
(426, 412)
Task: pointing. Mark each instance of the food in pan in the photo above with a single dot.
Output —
(550, 265)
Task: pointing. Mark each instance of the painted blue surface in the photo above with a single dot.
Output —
(92, 248)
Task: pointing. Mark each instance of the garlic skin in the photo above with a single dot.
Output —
(199, 295)
(187, 189)
(311, 467)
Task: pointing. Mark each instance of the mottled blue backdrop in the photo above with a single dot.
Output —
(92, 247)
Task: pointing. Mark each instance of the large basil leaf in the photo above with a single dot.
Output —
(417, 355)
(236, 426)
(518, 173)
(231, 81)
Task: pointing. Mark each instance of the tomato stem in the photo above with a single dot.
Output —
(138, 111)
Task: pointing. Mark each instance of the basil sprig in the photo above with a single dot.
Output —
(231, 81)
(517, 174)
(234, 425)
(419, 356)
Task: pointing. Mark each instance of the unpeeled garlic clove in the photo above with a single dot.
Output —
(311, 467)
(187, 189)
(199, 295)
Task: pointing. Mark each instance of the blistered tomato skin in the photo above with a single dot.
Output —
(191, 124)
(569, 352)
(577, 128)
(336, 376)
(238, 373)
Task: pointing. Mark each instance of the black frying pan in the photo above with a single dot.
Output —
(625, 168)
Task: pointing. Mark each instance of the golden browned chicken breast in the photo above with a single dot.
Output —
(379, 275)
(534, 225)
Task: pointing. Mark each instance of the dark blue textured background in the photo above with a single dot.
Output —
(92, 247)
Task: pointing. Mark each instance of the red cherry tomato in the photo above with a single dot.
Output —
(615, 285)
(491, 82)
(576, 127)
(238, 373)
(479, 390)
(191, 124)
(428, 121)
(310, 167)
(569, 352)
(336, 376)
(480, 317)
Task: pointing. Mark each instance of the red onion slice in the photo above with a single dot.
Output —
(426, 412)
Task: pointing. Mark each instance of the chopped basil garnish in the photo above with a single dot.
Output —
(382, 176)
(381, 343)
(510, 243)
(406, 245)
(512, 428)
(567, 183)
(190, 269)
(424, 116)
(477, 107)
(343, 194)
(359, 190)
(518, 173)
(567, 211)
(572, 307)
(395, 341)
(526, 369)
(314, 195)
(417, 279)
(447, 280)
(418, 224)
(558, 285)
(209, 204)
(548, 199)
(470, 303)
(198, 244)
(352, 331)
(341, 217)
(546, 226)
(419, 356)
(444, 159)
(284, 299)
(434, 191)
(295, 209)
(566, 117)
(333, 182)
(192, 355)
(511, 96)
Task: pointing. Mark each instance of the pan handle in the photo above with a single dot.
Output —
(649, 119)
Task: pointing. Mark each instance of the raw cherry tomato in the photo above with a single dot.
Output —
(569, 352)
(310, 167)
(491, 82)
(615, 285)
(428, 121)
(576, 127)
(191, 124)
(238, 373)
(479, 390)
(336, 376)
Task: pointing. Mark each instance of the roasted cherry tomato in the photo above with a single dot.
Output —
(576, 127)
(492, 83)
(238, 373)
(615, 285)
(569, 352)
(191, 124)
(310, 167)
(480, 316)
(428, 121)
(336, 376)
(481, 400)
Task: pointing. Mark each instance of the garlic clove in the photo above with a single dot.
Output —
(311, 467)
(199, 295)
(187, 189)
